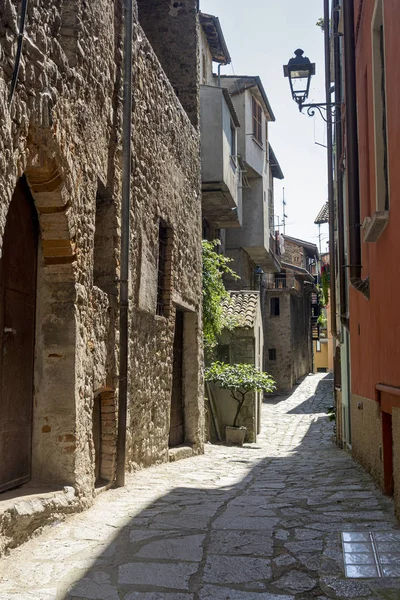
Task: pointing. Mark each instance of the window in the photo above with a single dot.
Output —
(257, 121)
(164, 283)
(318, 346)
(274, 307)
(232, 144)
(203, 68)
(272, 354)
(379, 95)
(233, 139)
(223, 353)
(104, 263)
(271, 210)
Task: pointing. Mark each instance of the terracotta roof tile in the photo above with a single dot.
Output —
(243, 306)
(323, 215)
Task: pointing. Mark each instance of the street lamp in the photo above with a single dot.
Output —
(299, 70)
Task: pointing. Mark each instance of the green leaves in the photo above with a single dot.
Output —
(214, 267)
(239, 377)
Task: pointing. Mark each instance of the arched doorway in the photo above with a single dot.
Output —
(18, 267)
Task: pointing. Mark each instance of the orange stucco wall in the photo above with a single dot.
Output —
(375, 323)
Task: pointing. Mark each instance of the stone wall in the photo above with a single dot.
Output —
(301, 334)
(173, 32)
(366, 435)
(294, 254)
(63, 133)
(277, 336)
(289, 335)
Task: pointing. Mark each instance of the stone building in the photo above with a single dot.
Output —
(287, 332)
(60, 226)
(242, 343)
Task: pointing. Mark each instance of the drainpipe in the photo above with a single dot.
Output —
(329, 142)
(219, 73)
(352, 167)
(125, 230)
(338, 165)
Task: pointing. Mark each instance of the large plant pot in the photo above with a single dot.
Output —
(235, 435)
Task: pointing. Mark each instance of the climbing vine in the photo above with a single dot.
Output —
(215, 266)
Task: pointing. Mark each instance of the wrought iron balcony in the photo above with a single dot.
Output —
(278, 281)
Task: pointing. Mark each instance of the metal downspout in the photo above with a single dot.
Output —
(329, 142)
(338, 163)
(352, 166)
(125, 231)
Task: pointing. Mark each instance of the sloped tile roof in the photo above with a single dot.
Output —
(323, 215)
(243, 307)
(215, 38)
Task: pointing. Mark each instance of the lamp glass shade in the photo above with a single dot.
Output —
(299, 70)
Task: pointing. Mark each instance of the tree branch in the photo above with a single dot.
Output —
(239, 408)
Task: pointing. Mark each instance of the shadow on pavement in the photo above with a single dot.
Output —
(275, 531)
(239, 525)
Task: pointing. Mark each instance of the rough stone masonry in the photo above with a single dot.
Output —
(62, 135)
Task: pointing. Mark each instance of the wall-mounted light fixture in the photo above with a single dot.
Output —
(299, 70)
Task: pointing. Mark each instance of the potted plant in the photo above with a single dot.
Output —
(240, 379)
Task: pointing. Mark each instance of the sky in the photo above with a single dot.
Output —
(261, 36)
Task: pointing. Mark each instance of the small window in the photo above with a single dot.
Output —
(272, 354)
(274, 307)
(204, 68)
(257, 121)
(318, 346)
(379, 95)
(104, 261)
(164, 269)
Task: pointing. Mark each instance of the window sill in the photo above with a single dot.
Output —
(374, 226)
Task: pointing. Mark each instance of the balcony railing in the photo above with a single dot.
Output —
(278, 282)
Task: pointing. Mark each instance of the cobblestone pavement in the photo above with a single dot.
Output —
(261, 522)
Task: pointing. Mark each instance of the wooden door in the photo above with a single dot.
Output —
(177, 430)
(97, 436)
(17, 337)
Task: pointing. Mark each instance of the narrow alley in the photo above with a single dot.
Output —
(262, 522)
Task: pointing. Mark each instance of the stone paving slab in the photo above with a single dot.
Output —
(262, 522)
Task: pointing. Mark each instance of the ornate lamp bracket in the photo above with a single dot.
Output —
(324, 110)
